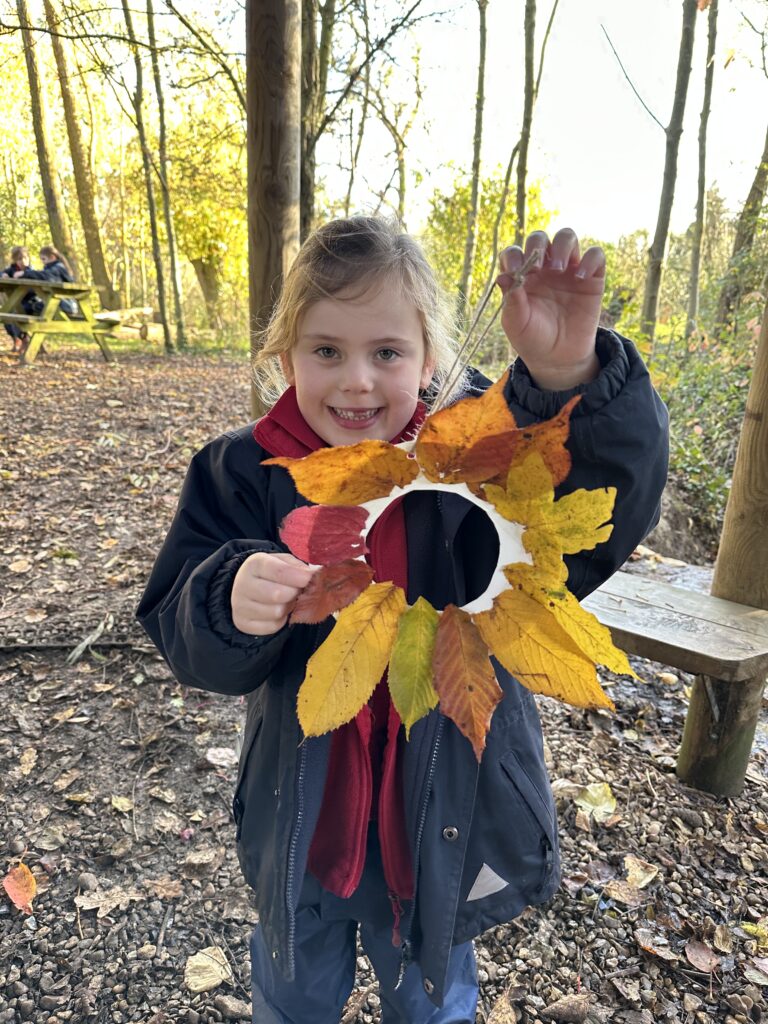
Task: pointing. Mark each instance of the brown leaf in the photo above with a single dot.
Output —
(331, 588)
(464, 677)
(656, 943)
(568, 1010)
(701, 956)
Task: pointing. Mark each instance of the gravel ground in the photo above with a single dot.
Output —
(116, 782)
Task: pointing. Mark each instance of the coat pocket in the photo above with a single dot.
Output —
(540, 812)
(252, 730)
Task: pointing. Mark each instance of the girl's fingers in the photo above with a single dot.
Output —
(537, 241)
(511, 259)
(592, 263)
(564, 250)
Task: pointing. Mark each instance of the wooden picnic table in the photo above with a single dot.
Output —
(52, 319)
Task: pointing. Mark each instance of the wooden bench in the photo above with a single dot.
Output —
(52, 319)
(722, 643)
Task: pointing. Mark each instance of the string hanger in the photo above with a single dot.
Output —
(470, 344)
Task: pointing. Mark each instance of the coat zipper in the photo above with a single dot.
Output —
(406, 955)
(292, 861)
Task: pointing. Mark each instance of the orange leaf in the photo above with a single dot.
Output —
(343, 672)
(548, 439)
(21, 887)
(702, 5)
(322, 534)
(350, 474)
(532, 647)
(464, 678)
(472, 440)
(331, 588)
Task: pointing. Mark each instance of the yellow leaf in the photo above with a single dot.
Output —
(597, 800)
(533, 648)
(350, 474)
(590, 636)
(464, 677)
(472, 440)
(124, 804)
(343, 672)
(410, 667)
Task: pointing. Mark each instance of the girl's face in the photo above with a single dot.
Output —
(358, 364)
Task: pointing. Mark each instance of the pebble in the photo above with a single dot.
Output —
(231, 1008)
(17, 847)
(87, 881)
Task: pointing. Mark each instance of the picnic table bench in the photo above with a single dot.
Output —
(52, 318)
(724, 644)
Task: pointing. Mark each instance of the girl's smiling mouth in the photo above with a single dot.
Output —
(354, 418)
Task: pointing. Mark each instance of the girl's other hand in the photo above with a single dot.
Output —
(551, 319)
(264, 592)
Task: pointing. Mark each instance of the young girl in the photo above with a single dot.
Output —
(18, 267)
(413, 842)
(55, 268)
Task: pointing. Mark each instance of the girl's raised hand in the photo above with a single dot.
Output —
(551, 319)
(264, 591)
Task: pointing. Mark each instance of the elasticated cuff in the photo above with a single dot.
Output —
(219, 601)
(614, 356)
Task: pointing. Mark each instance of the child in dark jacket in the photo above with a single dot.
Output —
(18, 267)
(55, 268)
(414, 843)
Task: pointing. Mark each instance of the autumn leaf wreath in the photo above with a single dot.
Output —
(526, 617)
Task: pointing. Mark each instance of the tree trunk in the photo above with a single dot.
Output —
(54, 204)
(209, 279)
(110, 298)
(673, 132)
(273, 90)
(701, 196)
(181, 336)
(525, 134)
(746, 228)
(315, 62)
(138, 106)
(723, 717)
(465, 283)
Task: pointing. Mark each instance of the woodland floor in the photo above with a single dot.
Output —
(115, 782)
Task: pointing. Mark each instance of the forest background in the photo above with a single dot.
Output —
(474, 123)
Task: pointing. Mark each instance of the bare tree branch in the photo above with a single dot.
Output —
(631, 83)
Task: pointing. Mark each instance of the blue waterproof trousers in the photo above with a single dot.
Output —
(326, 931)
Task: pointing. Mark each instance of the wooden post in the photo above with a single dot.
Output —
(273, 94)
(722, 717)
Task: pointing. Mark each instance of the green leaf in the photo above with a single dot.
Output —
(410, 667)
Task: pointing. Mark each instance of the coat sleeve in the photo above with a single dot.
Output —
(185, 608)
(619, 438)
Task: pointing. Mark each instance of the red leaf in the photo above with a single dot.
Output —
(464, 677)
(323, 534)
(331, 588)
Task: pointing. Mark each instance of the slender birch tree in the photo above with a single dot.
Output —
(470, 244)
(701, 195)
(673, 132)
(525, 134)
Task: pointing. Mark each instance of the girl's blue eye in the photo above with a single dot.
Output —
(326, 352)
(387, 354)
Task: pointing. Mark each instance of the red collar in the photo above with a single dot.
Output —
(284, 431)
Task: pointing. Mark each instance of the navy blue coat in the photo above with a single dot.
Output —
(483, 838)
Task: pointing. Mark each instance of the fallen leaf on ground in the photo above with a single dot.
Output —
(28, 760)
(21, 887)
(106, 900)
(206, 970)
(221, 757)
(723, 939)
(503, 1012)
(568, 1010)
(201, 863)
(701, 956)
(20, 565)
(639, 872)
(656, 943)
(124, 804)
(166, 888)
(597, 801)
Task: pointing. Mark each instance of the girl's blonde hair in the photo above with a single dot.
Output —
(355, 253)
(19, 253)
